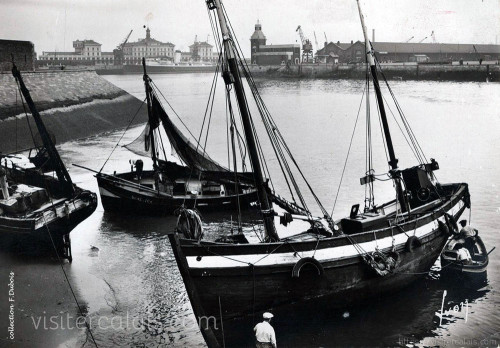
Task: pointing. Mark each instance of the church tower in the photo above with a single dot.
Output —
(258, 39)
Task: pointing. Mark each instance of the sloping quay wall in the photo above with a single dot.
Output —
(73, 104)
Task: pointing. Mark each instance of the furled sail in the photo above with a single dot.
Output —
(194, 157)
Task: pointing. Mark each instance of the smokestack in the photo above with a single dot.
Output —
(373, 35)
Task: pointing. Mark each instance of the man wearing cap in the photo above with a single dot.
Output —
(467, 233)
(264, 333)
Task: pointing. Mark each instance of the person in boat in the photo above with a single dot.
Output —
(463, 254)
(264, 333)
(139, 165)
(468, 234)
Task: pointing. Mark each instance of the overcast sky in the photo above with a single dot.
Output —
(54, 24)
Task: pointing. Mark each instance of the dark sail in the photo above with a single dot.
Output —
(141, 144)
(194, 157)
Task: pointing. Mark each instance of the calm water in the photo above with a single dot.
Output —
(134, 274)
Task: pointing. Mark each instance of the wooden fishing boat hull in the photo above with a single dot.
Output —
(59, 215)
(234, 281)
(121, 195)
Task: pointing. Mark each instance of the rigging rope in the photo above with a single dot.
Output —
(125, 131)
(348, 152)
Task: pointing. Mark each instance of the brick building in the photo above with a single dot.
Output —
(409, 52)
(23, 53)
(262, 54)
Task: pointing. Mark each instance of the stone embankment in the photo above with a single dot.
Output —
(407, 71)
(73, 104)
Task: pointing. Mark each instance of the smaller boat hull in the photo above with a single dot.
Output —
(124, 196)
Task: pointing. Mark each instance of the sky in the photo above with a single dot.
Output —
(54, 24)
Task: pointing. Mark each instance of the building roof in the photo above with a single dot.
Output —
(421, 48)
(203, 43)
(258, 34)
(281, 53)
(90, 42)
(280, 46)
(44, 53)
(143, 42)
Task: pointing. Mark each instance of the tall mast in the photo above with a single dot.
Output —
(61, 171)
(393, 161)
(150, 115)
(270, 231)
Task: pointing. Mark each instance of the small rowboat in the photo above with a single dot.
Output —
(470, 272)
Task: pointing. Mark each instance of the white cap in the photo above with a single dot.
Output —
(267, 315)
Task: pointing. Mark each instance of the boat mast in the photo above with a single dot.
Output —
(61, 171)
(393, 161)
(270, 231)
(150, 114)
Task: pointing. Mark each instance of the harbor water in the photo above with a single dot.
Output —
(131, 274)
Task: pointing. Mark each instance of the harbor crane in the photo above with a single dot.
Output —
(317, 46)
(307, 49)
(118, 51)
(195, 56)
(432, 36)
(410, 39)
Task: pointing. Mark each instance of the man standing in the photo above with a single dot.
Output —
(264, 333)
(468, 234)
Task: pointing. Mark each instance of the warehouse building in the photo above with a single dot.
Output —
(262, 54)
(392, 52)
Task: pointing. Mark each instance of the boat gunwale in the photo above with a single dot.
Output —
(192, 247)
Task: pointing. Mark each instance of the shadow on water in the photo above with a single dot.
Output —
(396, 319)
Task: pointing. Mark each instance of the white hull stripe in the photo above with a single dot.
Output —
(322, 255)
(104, 192)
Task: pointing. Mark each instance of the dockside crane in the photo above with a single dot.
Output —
(410, 39)
(195, 54)
(118, 51)
(423, 39)
(307, 48)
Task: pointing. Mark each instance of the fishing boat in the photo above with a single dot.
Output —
(38, 206)
(200, 183)
(473, 272)
(301, 257)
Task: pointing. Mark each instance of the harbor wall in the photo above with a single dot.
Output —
(437, 72)
(73, 104)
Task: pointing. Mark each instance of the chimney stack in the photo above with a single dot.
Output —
(373, 35)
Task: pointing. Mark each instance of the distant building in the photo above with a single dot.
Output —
(23, 53)
(87, 52)
(262, 54)
(201, 52)
(88, 48)
(409, 52)
(148, 48)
